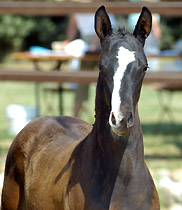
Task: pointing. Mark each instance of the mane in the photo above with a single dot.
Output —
(122, 32)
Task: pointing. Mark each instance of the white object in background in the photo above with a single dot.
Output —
(18, 116)
(76, 48)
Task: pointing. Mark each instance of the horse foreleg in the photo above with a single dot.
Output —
(13, 188)
(10, 194)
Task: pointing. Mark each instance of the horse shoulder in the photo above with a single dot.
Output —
(39, 153)
(48, 165)
(42, 132)
(53, 132)
(47, 176)
(155, 203)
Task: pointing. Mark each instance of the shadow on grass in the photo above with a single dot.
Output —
(165, 129)
(170, 134)
(163, 157)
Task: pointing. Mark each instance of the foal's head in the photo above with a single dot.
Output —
(123, 65)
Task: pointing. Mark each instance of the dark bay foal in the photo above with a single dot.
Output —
(64, 163)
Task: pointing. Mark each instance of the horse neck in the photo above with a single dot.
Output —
(104, 151)
(134, 152)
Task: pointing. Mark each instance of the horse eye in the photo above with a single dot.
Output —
(100, 66)
(145, 68)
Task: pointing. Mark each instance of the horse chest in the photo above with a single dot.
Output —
(134, 192)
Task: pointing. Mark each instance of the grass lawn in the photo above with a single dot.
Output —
(162, 141)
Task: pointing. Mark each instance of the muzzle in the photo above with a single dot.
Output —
(121, 122)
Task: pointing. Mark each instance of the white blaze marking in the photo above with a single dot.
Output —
(124, 58)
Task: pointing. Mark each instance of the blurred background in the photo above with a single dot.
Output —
(160, 108)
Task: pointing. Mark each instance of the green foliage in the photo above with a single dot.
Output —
(171, 32)
(45, 31)
(19, 33)
(13, 30)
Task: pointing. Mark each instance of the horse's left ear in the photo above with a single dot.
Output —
(102, 23)
(144, 25)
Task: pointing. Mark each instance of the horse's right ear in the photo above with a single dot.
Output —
(102, 23)
(143, 26)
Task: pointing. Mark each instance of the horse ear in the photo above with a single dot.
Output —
(102, 23)
(144, 25)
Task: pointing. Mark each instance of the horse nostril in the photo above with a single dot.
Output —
(130, 120)
(113, 119)
(122, 121)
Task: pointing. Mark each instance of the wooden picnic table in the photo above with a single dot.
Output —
(160, 80)
(170, 77)
(53, 76)
(52, 56)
